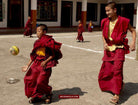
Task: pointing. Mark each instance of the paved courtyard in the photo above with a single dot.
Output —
(76, 73)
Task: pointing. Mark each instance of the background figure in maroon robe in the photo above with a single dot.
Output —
(80, 31)
(43, 57)
(115, 47)
(90, 26)
(28, 27)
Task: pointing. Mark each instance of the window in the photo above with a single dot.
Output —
(1, 18)
(92, 11)
(78, 15)
(47, 10)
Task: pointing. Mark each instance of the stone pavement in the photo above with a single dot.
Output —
(76, 73)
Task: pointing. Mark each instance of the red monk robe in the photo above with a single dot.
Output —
(90, 26)
(37, 78)
(111, 73)
(80, 31)
(28, 28)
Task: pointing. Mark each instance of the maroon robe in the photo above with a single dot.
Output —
(37, 78)
(80, 31)
(89, 27)
(111, 73)
(28, 28)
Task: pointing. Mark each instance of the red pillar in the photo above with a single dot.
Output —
(84, 12)
(83, 18)
(34, 13)
(33, 17)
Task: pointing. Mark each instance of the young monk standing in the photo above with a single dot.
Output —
(42, 58)
(80, 31)
(90, 26)
(114, 29)
(28, 27)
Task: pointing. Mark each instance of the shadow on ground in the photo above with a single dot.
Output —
(85, 41)
(67, 91)
(130, 89)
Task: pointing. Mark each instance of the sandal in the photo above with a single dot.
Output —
(48, 99)
(114, 100)
(31, 100)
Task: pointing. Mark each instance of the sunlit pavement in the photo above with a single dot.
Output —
(76, 73)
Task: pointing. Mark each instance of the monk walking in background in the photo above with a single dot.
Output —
(90, 26)
(43, 57)
(80, 31)
(28, 27)
(114, 30)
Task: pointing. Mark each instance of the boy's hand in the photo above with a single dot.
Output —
(132, 46)
(43, 64)
(24, 68)
(106, 46)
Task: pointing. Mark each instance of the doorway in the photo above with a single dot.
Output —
(15, 13)
(66, 14)
(103, 14)
(126, 10)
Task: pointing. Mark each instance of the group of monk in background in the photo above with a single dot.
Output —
(28, 29)
(81, 30)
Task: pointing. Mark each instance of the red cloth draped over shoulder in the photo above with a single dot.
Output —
(28, 24)
(50, 45)
(90, 27)
(28, 28)
(111, 73)
(119, 33)
(80, 28)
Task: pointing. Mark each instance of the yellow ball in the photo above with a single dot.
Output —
(14, 50)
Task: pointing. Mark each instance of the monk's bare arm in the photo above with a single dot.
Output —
(47, 60)
(29, 63)
(133, 32)
(43, 64)
(25, 68)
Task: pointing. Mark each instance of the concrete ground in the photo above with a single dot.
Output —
(76, 73)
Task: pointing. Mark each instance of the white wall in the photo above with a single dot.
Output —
(74, 22)
(58, 23)
(26, 5)
(74, 13)
(3, 24)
